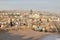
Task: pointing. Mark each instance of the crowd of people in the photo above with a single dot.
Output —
(30, 20)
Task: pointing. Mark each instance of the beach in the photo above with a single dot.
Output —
(22, 35)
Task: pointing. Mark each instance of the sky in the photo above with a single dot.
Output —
(48, 5)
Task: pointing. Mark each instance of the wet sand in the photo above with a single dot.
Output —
(22, 35)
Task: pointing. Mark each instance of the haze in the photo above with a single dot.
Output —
(49, 5)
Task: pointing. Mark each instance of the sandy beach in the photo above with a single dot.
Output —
(22, 35)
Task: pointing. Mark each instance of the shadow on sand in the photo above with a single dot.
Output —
(4, 35)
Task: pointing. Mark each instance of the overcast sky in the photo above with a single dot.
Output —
(50, 5)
